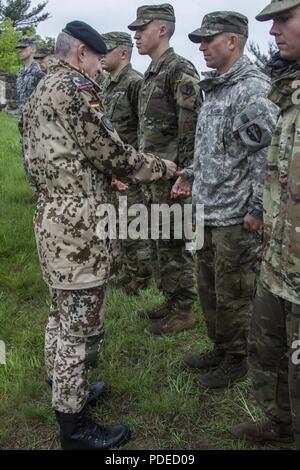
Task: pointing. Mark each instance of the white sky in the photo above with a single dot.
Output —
(116, 15)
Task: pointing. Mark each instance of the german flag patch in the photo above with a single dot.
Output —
(94, 104)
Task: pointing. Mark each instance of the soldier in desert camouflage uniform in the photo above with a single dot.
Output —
(120, 100)
(234, 128)
(169, 100)
(27, 80)
(73, 150)
(275, 330)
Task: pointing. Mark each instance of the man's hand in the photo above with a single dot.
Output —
(252, 224)
(119, 186)
(171, 169)
(182, 188)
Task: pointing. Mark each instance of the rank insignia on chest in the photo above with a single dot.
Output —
(254, 133)
(85, 86)
(107, 124)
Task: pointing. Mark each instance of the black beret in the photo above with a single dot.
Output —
(86, 34)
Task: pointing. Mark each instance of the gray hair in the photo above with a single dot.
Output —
(65, 45)
(170, 26)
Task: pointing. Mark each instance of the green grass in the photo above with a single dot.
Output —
(151, 391)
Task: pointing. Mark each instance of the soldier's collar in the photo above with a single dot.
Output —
(121, 74)
(155, 66)
(211, 79)
(283, 89)
(58, 63)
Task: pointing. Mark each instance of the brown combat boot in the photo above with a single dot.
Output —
(134, 286)
(156, 313)
(174, 322)
(232, 369)
(262, 431)
(205, 360)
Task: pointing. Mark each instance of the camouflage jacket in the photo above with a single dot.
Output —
(27, 81)
(169, 101)
(120, 101)
(234, 128)
(281, 262)
(72, 151)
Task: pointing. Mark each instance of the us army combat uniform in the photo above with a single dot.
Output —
(275, 329)
(169, 101)
(234, 127)
(72, 151)
(120, 102)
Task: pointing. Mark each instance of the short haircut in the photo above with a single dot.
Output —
(129, 49)
(66, 44)
(242, 42)
(170, 26)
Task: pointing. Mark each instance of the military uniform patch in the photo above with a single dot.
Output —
(107, 123)
(94, 104)
(254, 133)
(187, 90)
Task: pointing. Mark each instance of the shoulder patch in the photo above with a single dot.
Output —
(107, 124)
(255, 133)
(253, 128)
(187, 90)
(81, 82)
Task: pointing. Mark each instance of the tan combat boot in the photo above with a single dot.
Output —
(178, 319)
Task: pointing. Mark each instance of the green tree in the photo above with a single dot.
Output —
(20, 13)
(9, 57)
(262, 58)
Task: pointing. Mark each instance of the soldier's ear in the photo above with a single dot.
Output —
(233, 41)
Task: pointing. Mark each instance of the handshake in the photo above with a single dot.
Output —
(181, 189)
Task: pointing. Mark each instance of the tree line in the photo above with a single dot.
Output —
(17, 19)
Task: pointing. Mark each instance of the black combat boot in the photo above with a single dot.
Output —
(80, 432)
(97, 392)
(204, 360)
(232, 369)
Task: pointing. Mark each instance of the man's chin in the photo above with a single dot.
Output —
(286, 55)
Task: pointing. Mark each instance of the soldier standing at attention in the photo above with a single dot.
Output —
(168, 104)
(30, 74)
(120, 92)
(275, 330)
(43, 55)
(73, 150)
(234, 128)
(27, 80)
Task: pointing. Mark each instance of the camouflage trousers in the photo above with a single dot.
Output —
(74, 333)
(26, 169)
(227, 269)
(274, 358)
(135, 254)
(175, 265)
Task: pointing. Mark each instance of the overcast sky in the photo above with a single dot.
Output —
(115, 15)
